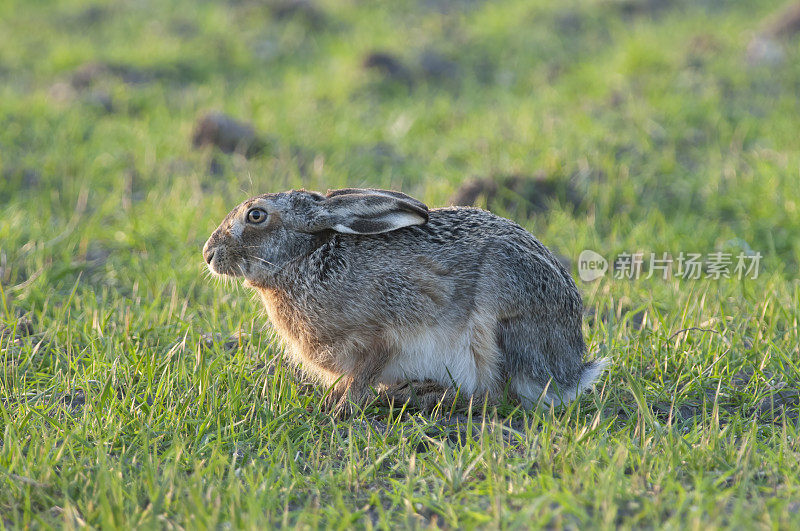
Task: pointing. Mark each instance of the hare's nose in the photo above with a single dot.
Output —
(208, 253)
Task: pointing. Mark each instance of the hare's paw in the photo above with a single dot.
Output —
(345, 399)
(332, 400)
(424, 396)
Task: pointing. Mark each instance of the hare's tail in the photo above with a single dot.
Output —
(534, 393)
(591, 372)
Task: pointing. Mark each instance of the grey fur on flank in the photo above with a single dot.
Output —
(370, 289)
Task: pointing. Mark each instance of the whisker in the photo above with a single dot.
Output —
(265, 261)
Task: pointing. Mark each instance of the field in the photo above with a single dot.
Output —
(137, 391)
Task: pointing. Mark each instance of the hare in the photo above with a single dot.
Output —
(369, 289)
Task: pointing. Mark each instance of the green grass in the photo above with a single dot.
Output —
(117, 408)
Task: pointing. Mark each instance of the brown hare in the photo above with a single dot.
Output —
(369, 289)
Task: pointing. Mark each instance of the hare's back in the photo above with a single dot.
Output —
(464, 254)
(510, 259)
(472, 230)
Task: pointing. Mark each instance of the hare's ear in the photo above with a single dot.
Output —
(368, 211)
(375, 191)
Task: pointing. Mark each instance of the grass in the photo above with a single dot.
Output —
(122, 401)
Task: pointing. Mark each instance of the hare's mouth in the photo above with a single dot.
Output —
(222, 268)
(224, 272)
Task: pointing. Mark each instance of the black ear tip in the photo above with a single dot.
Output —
(422, 207)
(417, 208)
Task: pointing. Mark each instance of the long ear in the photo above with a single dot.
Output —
(375, 191)
(367, 211)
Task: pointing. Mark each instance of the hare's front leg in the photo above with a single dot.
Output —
(345, 396)
(352, 390)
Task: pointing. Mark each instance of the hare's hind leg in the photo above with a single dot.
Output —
(543, 363)
(424, 396)
(428, 395)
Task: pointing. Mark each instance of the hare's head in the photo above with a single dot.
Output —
(260, 236)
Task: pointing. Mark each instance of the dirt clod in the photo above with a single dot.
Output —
(516, 192)
(767, 46)
(783, 400)
(641, 7)
(389, 65)
(23, 328)
(436, 67)
(303, 10)
(90, 74)
(784, 23)
(228, 134)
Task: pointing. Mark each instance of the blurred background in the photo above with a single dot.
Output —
(129, 128)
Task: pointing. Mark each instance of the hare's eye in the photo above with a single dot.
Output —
(256, 215)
